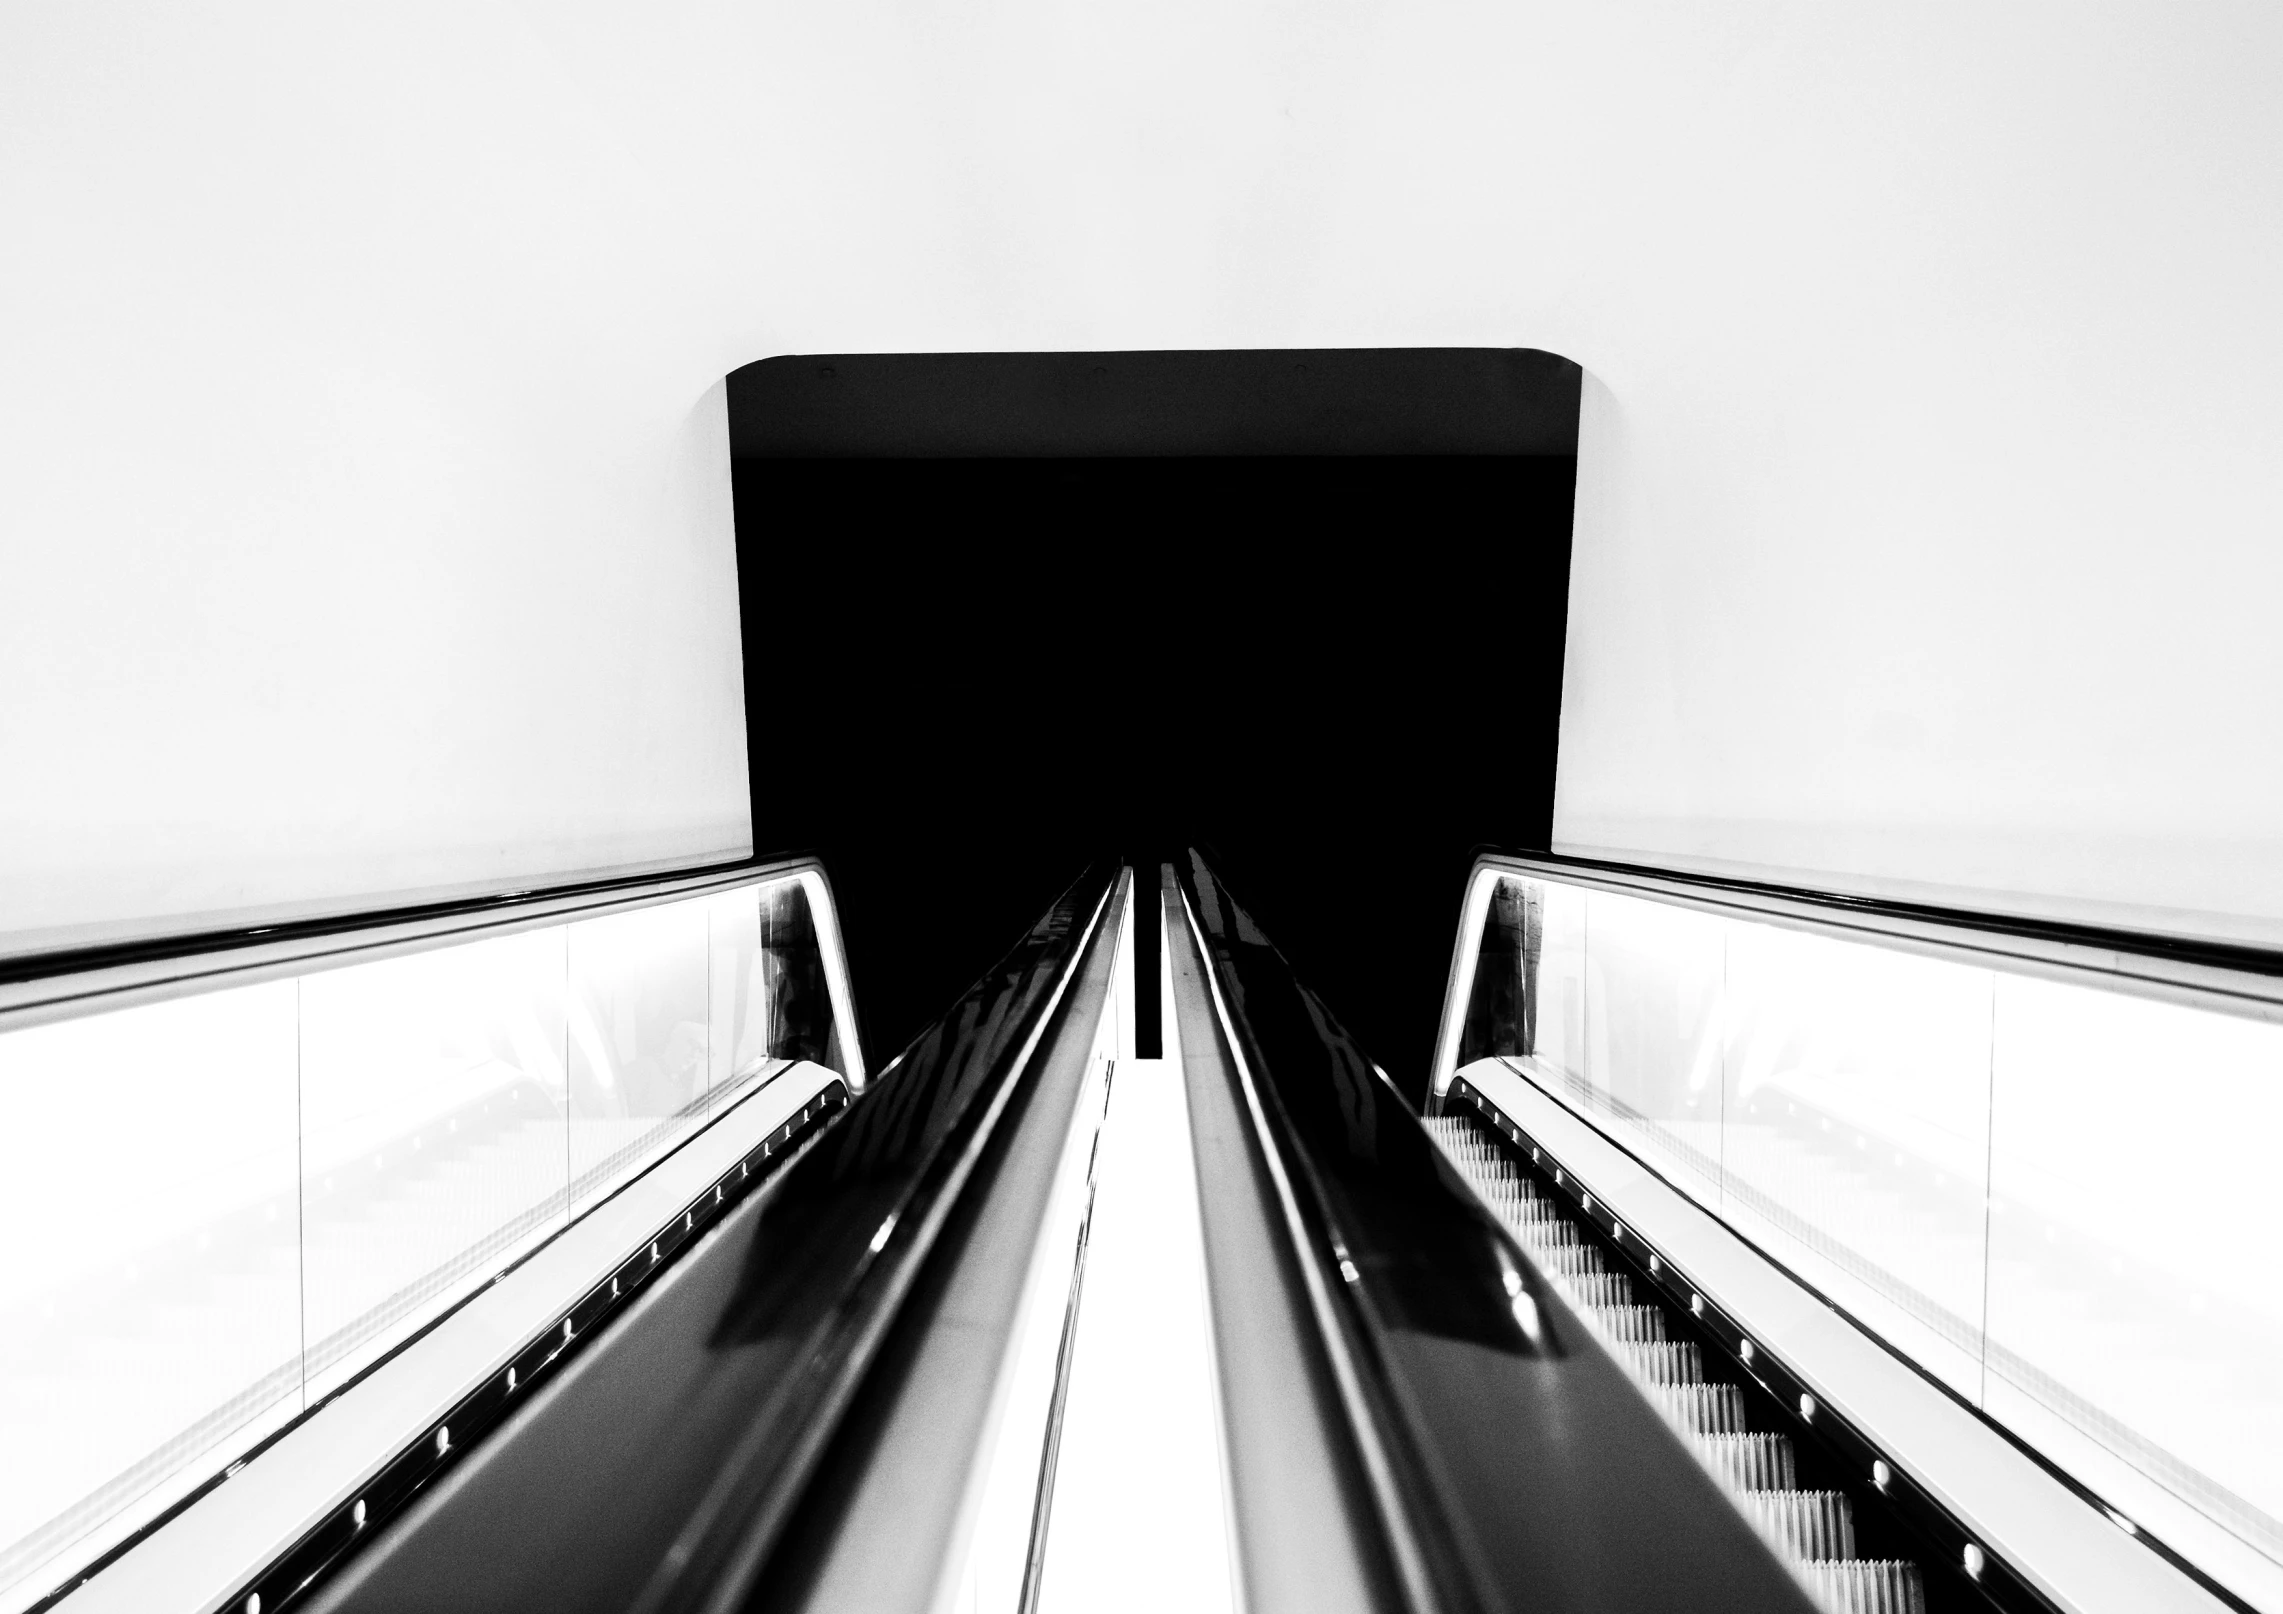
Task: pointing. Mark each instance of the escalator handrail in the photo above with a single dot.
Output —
(2087, 950)
(71, 979)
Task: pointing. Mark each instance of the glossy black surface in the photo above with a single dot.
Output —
(1502, 1009)
(1308, 1526)
(1272, 401)
(264, 929)
(1532, 1474)
(904, 1453)
(1148, 966)
(2244, 957)
(1330, 631)
(290, 1580)
(656, 1472)
(1430, 1258)
(801, 1021)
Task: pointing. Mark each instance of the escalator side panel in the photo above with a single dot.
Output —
(1307, 1534)
(901, 1467)
(1530, 1471)
(655, 1471)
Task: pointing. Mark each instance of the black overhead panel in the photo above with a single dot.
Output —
(1165, 404)
(977, 588)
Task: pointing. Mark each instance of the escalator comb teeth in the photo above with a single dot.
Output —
(1603, 1290)
(1703, 1409)
(1552, 1240)
(1663, 1362)
(1750, 1462)
(1633, 1325)
(1809, 1525)
(1876, 1586)
(1564, 1261)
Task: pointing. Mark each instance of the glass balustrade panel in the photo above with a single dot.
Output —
(152, 1315)
(737, 992)
(2136, 1284)
(434, 1135)
(2057, 1198)
(640, 1044)
(1856, 1140)
(1555, 991)
(1652, 1052)
(229, 1204)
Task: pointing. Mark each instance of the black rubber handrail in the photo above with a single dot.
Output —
(1518, 1467)
(2245, 958)
(43, 964)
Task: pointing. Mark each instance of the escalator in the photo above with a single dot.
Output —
(1444, 1377)
(1812, 1528)
(659, 1468)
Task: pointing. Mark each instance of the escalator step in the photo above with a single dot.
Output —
(1565, 1260)
(1876, 1586)
(1750, 1462)
(1663, 1362)
(1810, 1525)
(1813, 1530)
(1600, 1290)
(1703, 1409)
(1631, 1325)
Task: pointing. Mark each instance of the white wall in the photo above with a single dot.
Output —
(365, 513)
(1929, 509)
(1944, 555)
